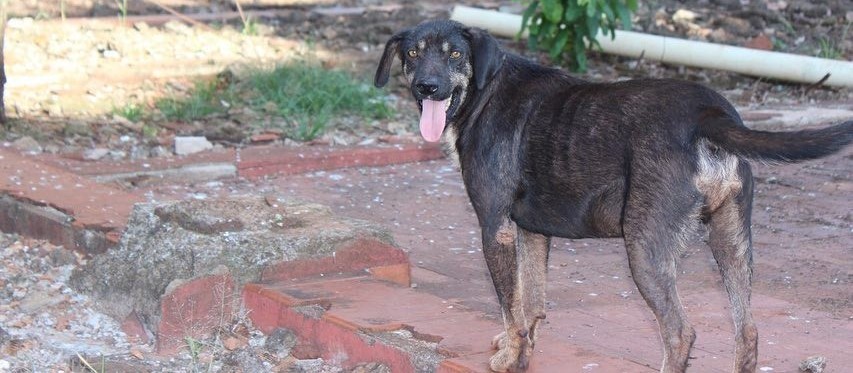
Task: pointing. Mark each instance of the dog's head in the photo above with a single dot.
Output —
(443, 61)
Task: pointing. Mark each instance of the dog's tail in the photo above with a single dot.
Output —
(791, 146)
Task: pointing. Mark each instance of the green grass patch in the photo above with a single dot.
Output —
(828, 49)
(205, 99)
(131, 112)
(310, 96)
(307, 96)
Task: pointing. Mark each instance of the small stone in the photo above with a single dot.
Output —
(330, 33)
(141, 26)
(111, 54)
(233, 343)
(36, 301)
(340, 11)
(280, 342)
(373, 367)
(95, 154)
(51, 149)
(4, 337)
(264, 137)
(77, 129)
(813, 364)
(683, 16)
(136, 352)
(719, 35)
(62, 323)
(308, 365)
(778, 6)
(205, 358)
(118, 154)
(177, 27)
(737, 26)
(53, 109)
(27, 144)
(759, 42)
(159, 151)
(244, 360)
(127, 123)
(185, 145)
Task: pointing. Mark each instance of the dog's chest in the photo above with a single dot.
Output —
(448, 143)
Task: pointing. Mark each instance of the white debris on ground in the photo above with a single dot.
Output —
(46, 326)
(43, 322)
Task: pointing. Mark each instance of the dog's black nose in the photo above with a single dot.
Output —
(426, 88)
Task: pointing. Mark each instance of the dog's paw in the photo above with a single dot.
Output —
(499, 341)
(513, 354)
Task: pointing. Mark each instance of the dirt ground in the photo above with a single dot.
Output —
(67, 77)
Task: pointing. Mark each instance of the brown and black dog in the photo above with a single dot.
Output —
(546, 154)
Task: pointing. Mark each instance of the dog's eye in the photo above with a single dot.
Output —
(455, 54)
(413, 53)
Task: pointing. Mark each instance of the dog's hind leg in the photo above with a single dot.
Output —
(532, 256)
(730, 239)
(660, 212)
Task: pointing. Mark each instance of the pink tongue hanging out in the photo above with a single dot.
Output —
(433, 119)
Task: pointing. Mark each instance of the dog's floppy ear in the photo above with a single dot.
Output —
(392, 49)
(486, 55)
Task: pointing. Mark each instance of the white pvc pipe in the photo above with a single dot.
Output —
(755, 62)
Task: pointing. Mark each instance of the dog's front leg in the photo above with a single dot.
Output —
(532, 255)
(500, 250)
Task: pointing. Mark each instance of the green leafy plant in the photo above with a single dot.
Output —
(564, 28)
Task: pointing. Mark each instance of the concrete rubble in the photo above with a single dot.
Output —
(184, 262)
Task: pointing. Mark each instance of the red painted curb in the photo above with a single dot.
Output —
(194, 309)
(331, 340)
(259, 161)
(77, 165)
(265, 161)
(382, 260)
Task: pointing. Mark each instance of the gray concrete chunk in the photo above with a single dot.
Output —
(174, 242)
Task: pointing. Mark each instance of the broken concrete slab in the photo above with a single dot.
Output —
(95, 154)
(48, 202)
(28, 145)
(185, 145)
(179, 265)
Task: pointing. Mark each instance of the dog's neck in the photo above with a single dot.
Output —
(473, 106)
